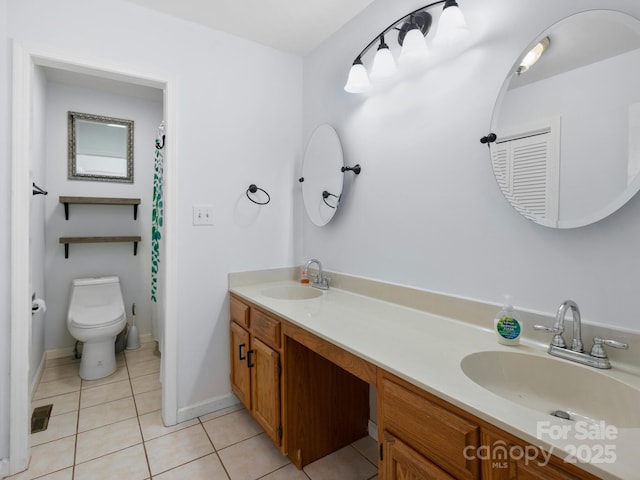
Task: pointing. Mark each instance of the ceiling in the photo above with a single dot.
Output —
(295, 26)
(98, 82)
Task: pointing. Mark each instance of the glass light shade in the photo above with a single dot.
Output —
(452, 26)
(384, 66)
(414, 47)
(533, 56)
(358, 80)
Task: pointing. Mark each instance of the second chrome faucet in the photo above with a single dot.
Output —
(597, 357)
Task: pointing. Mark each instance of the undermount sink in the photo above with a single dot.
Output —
(292, 292)
(554, 386)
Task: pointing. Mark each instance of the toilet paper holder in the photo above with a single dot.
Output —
(37, 304)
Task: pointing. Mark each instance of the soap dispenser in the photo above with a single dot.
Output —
(507, 327)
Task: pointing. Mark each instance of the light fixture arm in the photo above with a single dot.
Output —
(376, 39)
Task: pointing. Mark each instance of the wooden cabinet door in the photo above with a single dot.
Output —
(433, 431)
(240, 376)
(504, 462)
(265, 388)
(401, 462)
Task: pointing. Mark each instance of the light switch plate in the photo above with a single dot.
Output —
(203, 214)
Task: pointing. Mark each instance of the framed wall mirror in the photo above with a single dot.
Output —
(567, 152)
(100, 148)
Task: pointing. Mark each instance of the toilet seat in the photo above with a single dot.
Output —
(99, 316)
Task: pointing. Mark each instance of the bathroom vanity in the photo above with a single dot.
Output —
(303, 366)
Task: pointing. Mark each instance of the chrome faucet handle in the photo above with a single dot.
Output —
(321, 283)
(558, 339)
(544, 328)
(598, 350)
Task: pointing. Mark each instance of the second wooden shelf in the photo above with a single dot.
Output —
(67, 240)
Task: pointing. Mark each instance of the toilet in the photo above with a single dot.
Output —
(96, 315)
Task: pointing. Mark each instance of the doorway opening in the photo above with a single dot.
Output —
(25, 62)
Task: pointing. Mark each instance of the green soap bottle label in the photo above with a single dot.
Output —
(508, 328)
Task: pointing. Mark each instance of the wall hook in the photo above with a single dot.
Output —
(160, 136)
(355, 169)
(490, 138)
(253, 189)
(38, 191)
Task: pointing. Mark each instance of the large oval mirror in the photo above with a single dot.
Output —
(567, 152)
(322, 178)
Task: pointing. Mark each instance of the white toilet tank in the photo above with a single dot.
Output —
(95, 302)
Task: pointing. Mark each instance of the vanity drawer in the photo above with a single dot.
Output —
(266, 328)
(430, 429)
(239, 312)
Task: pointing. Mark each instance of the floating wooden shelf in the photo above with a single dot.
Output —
(67, 240)
(100, 201)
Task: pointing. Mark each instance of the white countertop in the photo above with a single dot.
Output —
(426, 350)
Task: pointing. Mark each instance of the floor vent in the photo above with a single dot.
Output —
(40, 418)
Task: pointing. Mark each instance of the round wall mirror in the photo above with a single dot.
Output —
(322, 178)
(567, 152)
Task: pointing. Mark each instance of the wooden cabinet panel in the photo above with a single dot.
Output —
(266, 328)
(240, 378)
(239, 312)
(505, 459)
(265, 391)
(326, 407)
(430, 429)
(401, 462)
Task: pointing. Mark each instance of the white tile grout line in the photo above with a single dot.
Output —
(215, 450)
(75, 443)
(135, 405)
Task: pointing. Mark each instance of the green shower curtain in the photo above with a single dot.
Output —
(157, 212)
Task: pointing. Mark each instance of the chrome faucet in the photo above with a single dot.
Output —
(319, 281)
(576, 341)
(597, 357)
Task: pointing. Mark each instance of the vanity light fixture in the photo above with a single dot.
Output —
(384, 66)
(412, 30)
(452, 26)
(533, 55)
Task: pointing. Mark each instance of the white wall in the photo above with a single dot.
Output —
(426, 210)
(91, 220)
(239, 108)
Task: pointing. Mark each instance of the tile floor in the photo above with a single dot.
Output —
(111, 428)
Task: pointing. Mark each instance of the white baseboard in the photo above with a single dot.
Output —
(373, 430)
(208, 406)
(59, 353)
(4, 467)
(68, 351)
(38, 375)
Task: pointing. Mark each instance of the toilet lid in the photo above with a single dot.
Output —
(98, 316)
